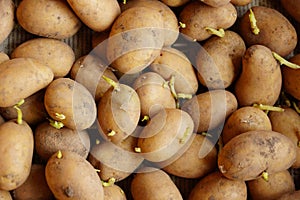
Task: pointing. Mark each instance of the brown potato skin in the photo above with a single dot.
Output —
(277, 185)
(27, 80)
(216, 186)
(256, 84)
(292, 7)
(197, 16)
(245, 119)
(290, 196)
(210, 109)
(155, 184)
(56, 54)
(269, 21)
(7, 9)
(15, 169)
(70, 98)
(248, 155)
(48, 140)
(291, 78)
(240, 2)
(114, 192)
(74, 177)
(197, 167)
(219, 63)
(35, 186)
(5, 195)
(288, 123)
(175, 3)
(53, 19)
(216, 3)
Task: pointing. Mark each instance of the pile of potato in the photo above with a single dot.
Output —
(149, 100)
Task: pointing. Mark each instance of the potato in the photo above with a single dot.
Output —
(118, 113)
(198, 16)
(216, 186)
(210, 109)
(278, 184)
(152, 94)
(97, 15)
(35, 186)
(240, 2)
(17, 140)
(70, 176)
(115, 161)
(88, 71)
(69, 102)
(216, 3)
(7, 10)
(175, 3)
(48, 140)
(255, 153)
(27, 75)
(33, 109)
(3, 57)
(197, 166)
(5, 195)
(291, 78)
(126, 51)
(290, 196)
(292, 7)
(245, 119)
(275, 31)
(220, 60)
(170, 20)
(48, 18)
(56, 54)
(172, 62)
(113, 192)
(256, 84)
(154, 184)
(288, 123)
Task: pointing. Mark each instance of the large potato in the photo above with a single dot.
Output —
(275, 30)
(69, 102)
(21, 78)
(216, 186)
(7, 10)
(70, 176)
(250, 154)
(48, 18)
(97, 15)
(56, 54)
(256, 84)
(291, 78)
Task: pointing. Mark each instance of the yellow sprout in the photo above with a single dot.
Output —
(253, 24)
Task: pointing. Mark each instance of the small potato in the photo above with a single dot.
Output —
(17, 140)
(256, 84)
(292, 7)
(220, 60)
(48, 18)
(7, 10)
(288, 123)
(5, 195)
(154, 184)
(175, 3)
(210, 109)
(197, 166)
(21, 78)
(291, 78)
(198, 16)
(277, 184)
(245, 119)
(54, 53)
(70, 176)
(35, 186)
(167, 135)
(69, 102)
(126, 51)
(97, 15)
(252, 154)
(275, 31)
(48, 140)
(88, 71)
(33, 109)
(216, 186)
(152, 94)
(113, 192)
(172, 62)
(3, 57)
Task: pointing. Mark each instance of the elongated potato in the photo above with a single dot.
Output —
(70, 176)
(7, 9)
(255, 153)
(20, 78)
